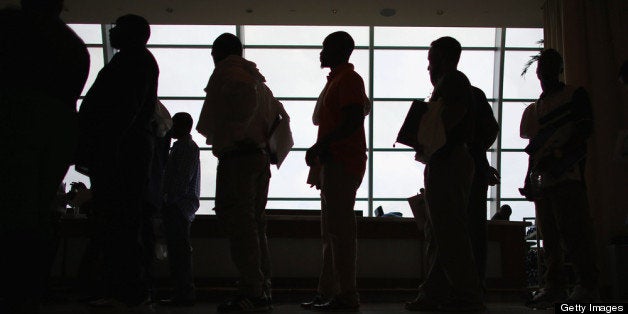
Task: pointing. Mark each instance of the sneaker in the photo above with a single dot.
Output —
(546, 298)
(337, 305)
(581, 294)
(318, 299)
(422, 303)
(245, 304)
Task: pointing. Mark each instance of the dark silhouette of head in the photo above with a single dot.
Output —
(506, 210)
(225, 45)
(47, 8)
(181, 125)
(549, 68)
(623, 73)
(337, 48)
(443, 57)
(131, 31)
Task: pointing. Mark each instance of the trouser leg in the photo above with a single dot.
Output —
(554, 277)
(339, 189)
(327, 283)
(32, 166)
(573, 219)
(177, 228)
(476, 214)
(237, 193)
(447, 186)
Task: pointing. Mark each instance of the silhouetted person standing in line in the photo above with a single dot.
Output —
(181, 201)
(452, 282)
(338, 159)
(43, 68)
(117, 146)
(558, 126)
(235, 120)
(503, 213)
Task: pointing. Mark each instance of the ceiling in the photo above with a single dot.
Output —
(478, 13)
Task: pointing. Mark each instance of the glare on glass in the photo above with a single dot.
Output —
(423, 36)
(206, 208)
(96, 63)
(388, 118)
(524, 37)
(478, 67)
(513, 171)
(396, 174)
(187, 34)
(297, 72)
(89, 33)
(183, 72)
(208, 173)
(73, 176)
(515, 85)
(301, 35)
(304, 132)
(511, 120)
(291, 179)
(401, 74)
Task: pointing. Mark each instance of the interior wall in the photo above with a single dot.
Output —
(476, 13)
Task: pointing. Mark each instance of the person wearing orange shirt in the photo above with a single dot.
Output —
(338, 163)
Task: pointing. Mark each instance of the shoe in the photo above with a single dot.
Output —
(422, 303)
(245, 304)
(581, 294)
(546, 298)
(318, 299)
(178, 302)
(337, 305)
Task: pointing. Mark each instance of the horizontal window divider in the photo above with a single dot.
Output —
(380, 199)
(94, 45)
(519, 99)
(393, 149)
(397, 99)
(178, 46)
(296, 98)
(412, 99)
(537, 49)
(428, 48)
(182, 97)
(512, 150)
(514, 199)
(294, 47)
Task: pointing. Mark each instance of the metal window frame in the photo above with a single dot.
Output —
(497, 101)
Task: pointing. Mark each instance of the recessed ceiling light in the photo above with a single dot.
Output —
(387, 12)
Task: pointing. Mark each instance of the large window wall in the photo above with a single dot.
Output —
(393, 63)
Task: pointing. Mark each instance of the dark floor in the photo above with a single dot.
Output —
(280, 308)
(287, 301)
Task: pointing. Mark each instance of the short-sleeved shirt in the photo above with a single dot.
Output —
(344, 88)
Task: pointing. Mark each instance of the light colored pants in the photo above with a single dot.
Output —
(338, 231)
(241, 194)
(452, 274)
(564, 222)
